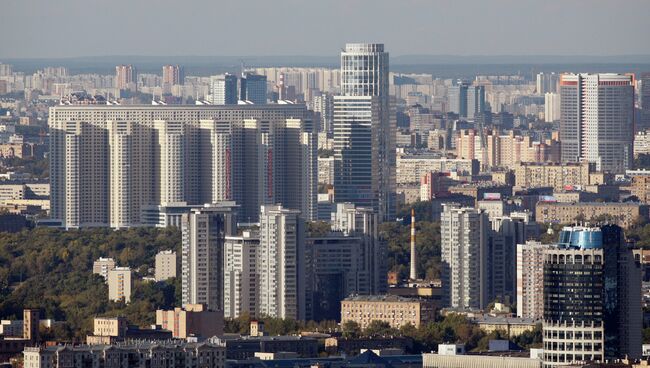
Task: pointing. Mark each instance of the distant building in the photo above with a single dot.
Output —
(551, 107)
(192, 320)
(432, 360)
(394, 310)
(597, 120)
(410, 168)
(165, 265)
(120, 284)
(547, 83)
(171, 75)
(31, 323)
(102, 265)
(435, 184)
(557, 176)
(645, 102)
(125, 77)
(511, 326)
(223, 90)
(253, 88)
(622, 214)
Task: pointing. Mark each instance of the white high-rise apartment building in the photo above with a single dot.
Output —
(102, 265)
(551, 107)
(547, 82)
(109, 162)
(597, 120)
(530, 279)
(464, 240)
(203, 235)
(240, 286)
(364, 131)
(281, 264)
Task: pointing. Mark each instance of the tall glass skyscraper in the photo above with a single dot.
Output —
(364, 131)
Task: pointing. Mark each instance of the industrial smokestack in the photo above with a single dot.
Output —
(414, 258)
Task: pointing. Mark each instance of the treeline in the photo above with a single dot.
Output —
(51, 269)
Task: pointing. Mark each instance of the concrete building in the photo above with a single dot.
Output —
(31, 323)
(511, 326)
(323, 104)
(223, 90)
(192, 320)
(203, 236)
(556, 176)
(131, 355)
(551, 107)
(102, 265)
(410, 168)
(507, 150)
(350, 262)
(394, 310)
(464, 241)
(165, 265)
(623, 214)
(281, 264)
(125, 77)
(240, 291)
(547, 83)
(120, 284)
(432, 360)
(530, 279)
(110, 326)
(597, 120)
(172, 75)
(252, 88)
(435, 184)
(604, 323)
(640, 185)
(105, 168)
(365, 131)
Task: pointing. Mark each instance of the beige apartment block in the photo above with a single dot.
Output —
(397, 311)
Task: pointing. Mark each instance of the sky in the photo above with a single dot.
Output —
(74, 28)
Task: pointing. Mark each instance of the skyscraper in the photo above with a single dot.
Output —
(281, 264)
(125, 77)
(364, 131)
(457, 98)
(204, 231)
(223, 89)
(475, 101)
(323, 104)
(592, 297)
(464, 241)
(253, 88)
(597, 120)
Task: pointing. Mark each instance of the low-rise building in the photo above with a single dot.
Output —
(511, 326)
(432, 360)
(396, 311)
(209, 354)
(622, 214)
(192, 320)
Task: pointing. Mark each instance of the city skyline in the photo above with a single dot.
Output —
(526, 28)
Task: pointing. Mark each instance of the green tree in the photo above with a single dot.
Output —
(351, 329)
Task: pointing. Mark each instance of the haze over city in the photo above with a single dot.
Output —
(73, 28)
(333, 184)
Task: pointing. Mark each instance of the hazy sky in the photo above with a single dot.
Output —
(68, 28)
